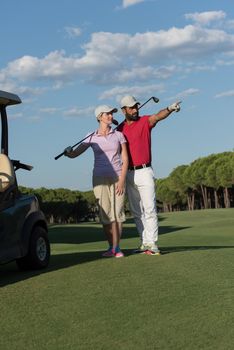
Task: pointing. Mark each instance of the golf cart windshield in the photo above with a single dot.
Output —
(7, 176)
(6, 99)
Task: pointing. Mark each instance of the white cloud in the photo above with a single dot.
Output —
(138, 73)
(118, 57)
(50, 110)
(127, 3)
(146, 73)
(190, 41)
(79, 112)
(184, 94)
(225, 63)
(137, 91)
(230, 24)
(73, 31)
(15, 115)
(230, 54)
(22, 90)
(34, 119)
(229, 93)
(199, 68)
(54, 66)
(205, 18)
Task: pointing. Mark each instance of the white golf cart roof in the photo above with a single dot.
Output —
(7, 98)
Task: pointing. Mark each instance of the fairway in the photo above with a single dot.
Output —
(183, 299)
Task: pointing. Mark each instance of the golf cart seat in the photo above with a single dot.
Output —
(7, 174)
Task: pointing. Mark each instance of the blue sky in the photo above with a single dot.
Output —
(63, 58)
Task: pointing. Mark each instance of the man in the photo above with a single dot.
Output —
(140, 183)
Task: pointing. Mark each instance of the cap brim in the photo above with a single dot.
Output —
(136, 103)
(114, 110)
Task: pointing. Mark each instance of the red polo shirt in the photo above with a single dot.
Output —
(138, 136)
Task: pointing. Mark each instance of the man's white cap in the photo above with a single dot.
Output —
(104, 109)
(128, 101)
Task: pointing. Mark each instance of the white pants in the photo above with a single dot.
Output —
(140, 188)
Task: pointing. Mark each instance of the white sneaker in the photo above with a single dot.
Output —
(152, 250)
(140, 250)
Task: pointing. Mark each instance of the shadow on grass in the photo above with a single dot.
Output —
(10, 274)
(167, 250)
(131, 220)
(90, 233)
(93, 233)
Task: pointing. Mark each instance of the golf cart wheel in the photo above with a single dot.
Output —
(39, 251)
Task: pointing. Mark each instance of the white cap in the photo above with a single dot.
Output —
(104, 109)
(128, 101)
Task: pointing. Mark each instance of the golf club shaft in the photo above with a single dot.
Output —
(115, 122)
(76, 144)
(156, 100)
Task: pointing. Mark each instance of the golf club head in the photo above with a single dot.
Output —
(155, 99)
(115, 122)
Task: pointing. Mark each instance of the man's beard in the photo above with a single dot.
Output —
(133, 117)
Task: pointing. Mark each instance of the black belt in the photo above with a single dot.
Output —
(136, 167)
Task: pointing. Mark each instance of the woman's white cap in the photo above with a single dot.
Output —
(104, 109)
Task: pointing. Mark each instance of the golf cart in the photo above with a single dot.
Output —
(23, 228)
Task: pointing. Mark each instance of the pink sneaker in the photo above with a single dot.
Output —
(119, 254)
(108, 253)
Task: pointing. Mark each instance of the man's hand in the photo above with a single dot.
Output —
(175, 107)
(67, 150)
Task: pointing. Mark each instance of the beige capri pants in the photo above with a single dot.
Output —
(111, 205)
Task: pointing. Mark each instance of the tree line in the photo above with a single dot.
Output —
(64, 206)
(207, 182)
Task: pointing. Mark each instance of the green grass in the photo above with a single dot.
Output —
(182, 299)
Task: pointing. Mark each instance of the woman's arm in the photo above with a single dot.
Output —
(121, 183)
(77, 151)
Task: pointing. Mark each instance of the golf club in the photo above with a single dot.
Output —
(114, 121)
(155, 99)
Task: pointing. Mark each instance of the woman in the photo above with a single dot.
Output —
(109, 174)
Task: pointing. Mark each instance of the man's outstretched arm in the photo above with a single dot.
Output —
(164, 113)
